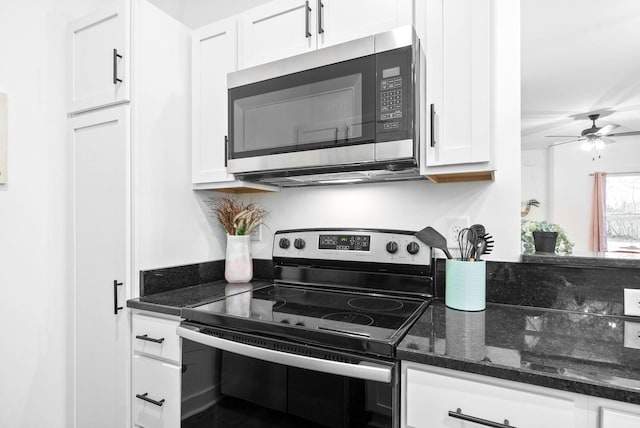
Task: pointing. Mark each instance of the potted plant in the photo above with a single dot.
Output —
(544, 237)
(238, 220)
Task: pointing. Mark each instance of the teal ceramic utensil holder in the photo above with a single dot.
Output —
(465, 285)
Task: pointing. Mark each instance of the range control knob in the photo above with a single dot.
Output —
(284, 243)
(392, 247)
(413, 248)
(299, 243)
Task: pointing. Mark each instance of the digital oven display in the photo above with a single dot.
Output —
(344, 242)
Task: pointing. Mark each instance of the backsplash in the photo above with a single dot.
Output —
(584, 289)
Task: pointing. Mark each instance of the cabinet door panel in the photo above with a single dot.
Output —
(100, 145)
(157, 381)
(214, 55)
(610, 418)
(344, 20)
(459, 80)
(430, 397)
(93, 63)
(276, 30)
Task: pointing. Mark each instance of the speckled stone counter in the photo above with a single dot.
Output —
(567, 350)
(170, 302)
(601, 259)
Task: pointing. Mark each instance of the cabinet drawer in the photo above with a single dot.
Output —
(436, 400)
(155, 393)
(156, 337)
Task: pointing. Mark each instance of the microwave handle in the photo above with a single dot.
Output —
(364, 370)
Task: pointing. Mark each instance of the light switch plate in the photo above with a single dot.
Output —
(632, 334)
(256, 234)
(632, 301)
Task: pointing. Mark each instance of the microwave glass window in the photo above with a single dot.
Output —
(325, 111)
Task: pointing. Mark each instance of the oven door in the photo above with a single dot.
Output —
(260, 382)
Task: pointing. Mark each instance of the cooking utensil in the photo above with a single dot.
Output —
(467, 239)
(477, 237)
(434, 239)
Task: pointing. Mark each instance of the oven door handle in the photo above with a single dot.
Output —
(365, 370)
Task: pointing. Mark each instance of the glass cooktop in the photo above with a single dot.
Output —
(311, 314)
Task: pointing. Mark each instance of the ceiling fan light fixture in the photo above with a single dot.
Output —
(586, 146)
(598, 144)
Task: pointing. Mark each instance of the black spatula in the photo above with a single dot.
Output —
(434, 239)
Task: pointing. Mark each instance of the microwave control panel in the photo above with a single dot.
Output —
(394, 93)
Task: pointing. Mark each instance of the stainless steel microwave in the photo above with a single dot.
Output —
(345, 113)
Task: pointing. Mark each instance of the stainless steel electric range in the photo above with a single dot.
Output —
(314, 348)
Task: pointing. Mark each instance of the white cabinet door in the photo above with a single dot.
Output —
(213, 56)
(443, 398)
(101, 173)
(339, 21)
(610, 418)
(458, 49)
(100, 62)
(276, 30)
(156, 393)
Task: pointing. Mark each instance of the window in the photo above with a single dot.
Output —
(623, 212)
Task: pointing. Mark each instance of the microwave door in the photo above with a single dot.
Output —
(330, 107)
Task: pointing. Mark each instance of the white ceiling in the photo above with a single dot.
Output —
(579, 57)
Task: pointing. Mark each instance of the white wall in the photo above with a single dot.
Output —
(535, 183)
(34, 286)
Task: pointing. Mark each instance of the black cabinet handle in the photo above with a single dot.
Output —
(116, 308)
(150, 339)
(226, 150)
(320, 16)
(434, 126)
(145, 397)
(115, 67)
(307, 17)
(459, 415)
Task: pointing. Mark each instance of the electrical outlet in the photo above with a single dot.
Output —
(453, 226)
(256, 234)
(632, 301)
(631, 335)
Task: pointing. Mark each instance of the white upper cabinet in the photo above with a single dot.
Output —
(214, 54)
(100, 62)
(339, 21)
(276, 30)
(284, 28)
(459, 54)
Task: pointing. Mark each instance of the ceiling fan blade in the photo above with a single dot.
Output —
(568, 141)
(624, 134)
(605, 130)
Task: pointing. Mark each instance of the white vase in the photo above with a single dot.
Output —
(238, 266)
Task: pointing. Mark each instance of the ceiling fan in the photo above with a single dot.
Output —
(594, 137)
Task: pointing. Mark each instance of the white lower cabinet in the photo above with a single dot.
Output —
(613, 414)
(156, 370)
(435, 397)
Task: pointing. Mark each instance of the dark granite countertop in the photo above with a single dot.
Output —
(587, 258)
(567, 350)
(172, 301)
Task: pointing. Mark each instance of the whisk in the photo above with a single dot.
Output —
(467, 241)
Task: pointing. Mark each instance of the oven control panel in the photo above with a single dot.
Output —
(363, 245)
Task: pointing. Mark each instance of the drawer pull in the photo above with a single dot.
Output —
(145, 397)
(459, 415)
(150, 339)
